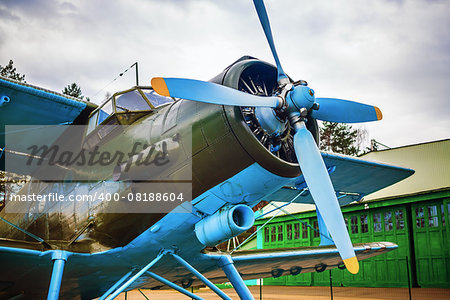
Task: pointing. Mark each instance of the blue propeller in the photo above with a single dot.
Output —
(322, 191)
(264, 19)
(209, 92)
(345, 111)
(294, 103)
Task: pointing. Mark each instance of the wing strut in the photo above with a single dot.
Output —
(40, 240)
(59, 258)
(226, 265)
(201, 277)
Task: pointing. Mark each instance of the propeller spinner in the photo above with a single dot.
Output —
(294, 102)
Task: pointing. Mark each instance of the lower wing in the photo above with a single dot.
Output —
(29, 270)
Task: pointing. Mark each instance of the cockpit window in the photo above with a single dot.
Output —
(129, 104)
(131, 101)
(155, 99)
(105, 111)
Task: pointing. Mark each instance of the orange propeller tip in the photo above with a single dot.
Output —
(352, 264)
(159, 85)
(378, 112)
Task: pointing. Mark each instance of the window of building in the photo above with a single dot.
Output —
(388, 221)
(443, 215)
(448, 211)
(364, 224)
(399, 221)
(354, 224)
(420, 218)
(273, 234)
(304, 231)
(280, 233)
(346, 223)
(297, 231)
(316, 229)
(289, 231)
(377, 222)
(266, 234)
(433, 216)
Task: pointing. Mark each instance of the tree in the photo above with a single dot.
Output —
(10, 182)
(341, 138)
(75, 91)
(9, 71)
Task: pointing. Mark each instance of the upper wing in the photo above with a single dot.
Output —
(24, 104)
(352, 177)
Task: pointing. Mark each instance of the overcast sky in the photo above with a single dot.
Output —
(392, 54)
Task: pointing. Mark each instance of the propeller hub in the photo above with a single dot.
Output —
(300, 97)
(269, 121)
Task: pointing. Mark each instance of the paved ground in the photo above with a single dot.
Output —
(300, 293)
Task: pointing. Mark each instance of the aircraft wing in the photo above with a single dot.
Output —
(25, 104)
(30, 267)
(263, 263)
(352, 178)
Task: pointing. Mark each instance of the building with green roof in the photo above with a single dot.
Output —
(413, 213)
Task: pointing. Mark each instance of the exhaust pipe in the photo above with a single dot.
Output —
(228, 222)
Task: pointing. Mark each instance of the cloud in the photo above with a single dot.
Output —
(394, 54)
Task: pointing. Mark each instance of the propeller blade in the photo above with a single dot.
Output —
(322, 191)
(345, 111)
(264, 19)
(209, 92)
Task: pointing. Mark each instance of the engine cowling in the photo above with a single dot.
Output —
(224, 224)
(274, 152)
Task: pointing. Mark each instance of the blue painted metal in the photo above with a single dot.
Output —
(238, 189)
(30, 105)
(325, 238)
(261, 227)
(351, 174)
(224, 224)
(300, 96)
(20, 229)
(201, 277)
(136, 276)
(321, 189)
(173, 285)
(269, 121)
(209, 92)
(272, 210)
(115, 286)
(343, 111)
(227, 265)
(243, 260)
(59, 259)
(4, 100)
(264, 19)
(176, 229)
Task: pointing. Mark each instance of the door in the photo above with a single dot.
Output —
(431, 243)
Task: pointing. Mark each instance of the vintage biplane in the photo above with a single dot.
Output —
(248, 135)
